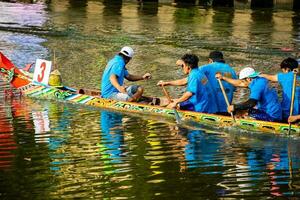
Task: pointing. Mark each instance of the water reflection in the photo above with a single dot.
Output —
(91, 153)
(112, 6)
(112, 140)
(7, 142)
(202, 150)
(78, 4)
(150, 8)
(261, 161)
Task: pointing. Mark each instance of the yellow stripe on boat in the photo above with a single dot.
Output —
(33, 89)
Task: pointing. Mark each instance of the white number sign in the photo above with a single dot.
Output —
(42, 71)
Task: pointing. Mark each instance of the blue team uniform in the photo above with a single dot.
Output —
(266, 97)
(210, 71)
(115, 66)
(202, 98)
(286, 82)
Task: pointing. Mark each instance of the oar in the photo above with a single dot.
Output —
(178, 119)
(225, 97)
(54, 61)
(293, 97)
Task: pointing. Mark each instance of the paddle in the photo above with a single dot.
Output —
(178, 119)
(295, 71)
(225, 97)
(54, 61)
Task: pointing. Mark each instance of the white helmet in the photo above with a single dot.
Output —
(127, 51)
(248, 72)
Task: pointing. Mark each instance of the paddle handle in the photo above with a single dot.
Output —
(224, 93)
(177, 116)
(293, 97)
(225, 97)
(54, 61)
(166, 93)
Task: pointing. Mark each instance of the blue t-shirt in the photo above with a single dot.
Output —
(202, 98)
(210, 71)
(115, 66)
(266, 96)
(286, 82)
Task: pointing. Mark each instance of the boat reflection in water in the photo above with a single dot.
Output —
(112, 141)
(261, 165)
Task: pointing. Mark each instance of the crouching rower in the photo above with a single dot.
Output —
(261, 95)
(285, 80)
(112, 85)
(198, 95)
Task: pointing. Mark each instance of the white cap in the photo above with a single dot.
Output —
(127, 51)
(248, 72)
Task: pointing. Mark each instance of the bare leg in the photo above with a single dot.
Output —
(137, 95)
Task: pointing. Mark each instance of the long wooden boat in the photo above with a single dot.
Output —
(20, 81)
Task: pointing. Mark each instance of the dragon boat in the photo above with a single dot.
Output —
(23, 83)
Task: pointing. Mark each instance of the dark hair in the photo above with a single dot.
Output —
(191, 60)
(289, 63)
(216, 56)
(126, 58)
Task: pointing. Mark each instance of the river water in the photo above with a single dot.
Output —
(51, 150)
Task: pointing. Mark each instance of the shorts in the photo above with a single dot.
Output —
(260, 115)
(131, 90)
(187, 105)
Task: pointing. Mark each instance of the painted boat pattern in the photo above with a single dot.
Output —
(45, 92)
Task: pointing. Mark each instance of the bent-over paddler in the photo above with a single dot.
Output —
(198, 95)
(263, 103)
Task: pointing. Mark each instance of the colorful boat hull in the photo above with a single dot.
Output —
(43, 92)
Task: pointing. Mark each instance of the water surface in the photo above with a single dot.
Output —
(51, 150)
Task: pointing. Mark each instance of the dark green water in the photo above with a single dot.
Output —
(50, 150)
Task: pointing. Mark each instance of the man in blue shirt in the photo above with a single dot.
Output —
(217, 65)
(198, 95)
(112, 85)
(261, 95)
(285, 79)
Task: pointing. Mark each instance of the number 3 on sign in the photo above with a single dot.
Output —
(42, 71)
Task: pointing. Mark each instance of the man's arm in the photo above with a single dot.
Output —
(179, 82)
(183, 98)
(250, 103)
(114, 81)
(270, 77)
(293, 118)
(234, 82)
(131, 77)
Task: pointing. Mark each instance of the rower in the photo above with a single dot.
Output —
(198, 95)
(112, 85)
(285, 80)
(217, 65)
(261, 95)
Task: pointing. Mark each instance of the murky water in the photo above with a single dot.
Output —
(51, 150)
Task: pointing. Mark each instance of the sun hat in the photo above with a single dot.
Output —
(127, 51)
(248, 72)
